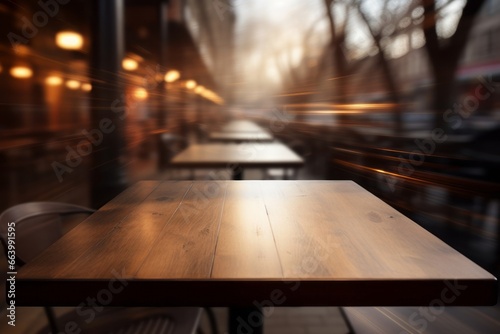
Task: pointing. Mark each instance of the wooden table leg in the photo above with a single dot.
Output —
(246, 320)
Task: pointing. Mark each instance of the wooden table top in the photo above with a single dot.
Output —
(241, 126)
(219, 155)
(234, 243)
(240, 136)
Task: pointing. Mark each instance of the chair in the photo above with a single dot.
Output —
(169, 145)
(37, 226)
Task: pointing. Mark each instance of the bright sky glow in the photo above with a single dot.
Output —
(449, 17)
(274, 36)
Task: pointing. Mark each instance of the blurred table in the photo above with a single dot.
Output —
(241, 126)
(239, 137)
(248, 244)
(237, 157)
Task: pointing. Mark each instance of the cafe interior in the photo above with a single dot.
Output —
(228, 166)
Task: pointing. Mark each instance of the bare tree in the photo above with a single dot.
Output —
(299, 74)
(444, 53)
(337, 47)
(378, 33)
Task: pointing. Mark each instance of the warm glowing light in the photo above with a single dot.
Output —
(172, 75)
(130, 64)
(69, 40)
(1, 68)
(208, 94)
(374, 106)
(333, 112)
(199, 90)
(86, 87)
(212, 96)
(21, 72)
(141, 94)
(53, 80)
(190, 84)
(73, 84)
(22, 50)
(296, 94)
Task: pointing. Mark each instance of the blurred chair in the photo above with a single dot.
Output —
(37, 226)
(202, 131)
(169, 145)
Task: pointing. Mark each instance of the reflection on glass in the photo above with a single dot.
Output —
(351, 85)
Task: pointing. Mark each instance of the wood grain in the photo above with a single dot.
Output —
(221, 243)
(340, 230)
(95, 228)
(127, 246)
(187, 243)
(246, 247)
(307, 248)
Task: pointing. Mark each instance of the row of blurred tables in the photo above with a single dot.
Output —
(250, 244)
(236, 146)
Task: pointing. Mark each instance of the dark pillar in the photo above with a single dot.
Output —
(161, 103)
(163, 19)
(108, 113)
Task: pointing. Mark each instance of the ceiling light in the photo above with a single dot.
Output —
(190, 84)
(86, 87)
(69, 40)
(172, 75)
(53, 80)
(199, 90)
(141, 94)
(21, 72)
(130, 64)
(73, 84)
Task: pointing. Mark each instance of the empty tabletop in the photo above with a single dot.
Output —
(218, 155)
(240, 137)
(241, 126)
(237, 243)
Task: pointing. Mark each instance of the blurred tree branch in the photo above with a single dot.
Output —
(342, 68)
(388, 75)
(444, 53)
